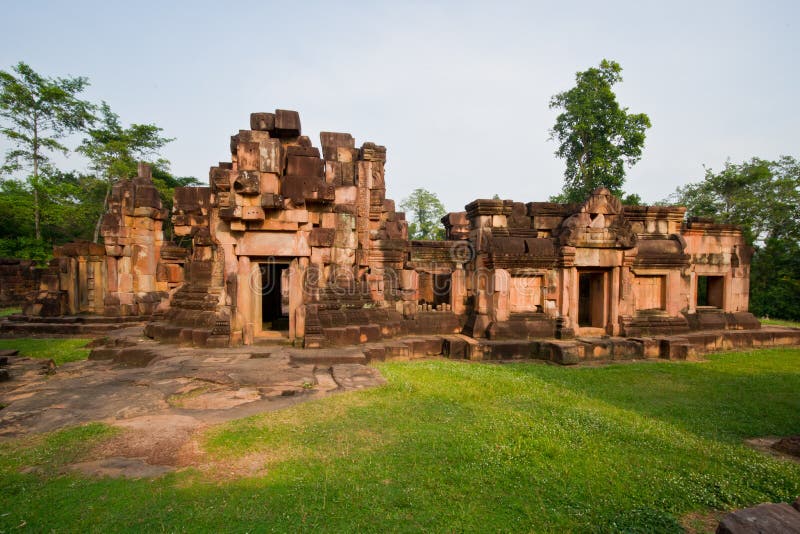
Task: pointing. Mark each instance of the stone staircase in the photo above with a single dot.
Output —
(68, 325)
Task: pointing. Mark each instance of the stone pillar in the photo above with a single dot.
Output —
(295, 298)
(458, 290)
(244, 301)
(614, 295)
(500, 302)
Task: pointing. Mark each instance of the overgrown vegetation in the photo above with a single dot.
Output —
(58, 350)
(41, 205)
(449, 446)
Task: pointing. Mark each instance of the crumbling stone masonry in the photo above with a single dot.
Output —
(290, 241)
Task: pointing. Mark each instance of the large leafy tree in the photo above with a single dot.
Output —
(37, 113)
(763, 197)
(596, 137)
(115, 150)
(426, 211)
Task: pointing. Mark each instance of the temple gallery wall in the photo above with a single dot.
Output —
(294, 241)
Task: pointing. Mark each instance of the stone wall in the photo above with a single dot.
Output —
(133, 238)
(18, 278)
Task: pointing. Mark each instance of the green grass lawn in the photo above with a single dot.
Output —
(779, 322)
(59, 350)
(452, 446)
(5, 312)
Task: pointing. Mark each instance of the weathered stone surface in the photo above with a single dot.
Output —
(287, 123)
(767, 517)
(262, 121)
(247, 182)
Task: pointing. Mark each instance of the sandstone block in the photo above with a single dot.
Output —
(270, 156)
(346, 195)
(328, 220)
(252, 213)
(220, 179)
(273, 244)
(270, 183)
(373, 152)
(321, 237)
(271, 201)
(262, 121)
(305, 166)
(247, 183)
(248, 156)
(287, 123)
(346, 155)
(321, 255)
(303, 151)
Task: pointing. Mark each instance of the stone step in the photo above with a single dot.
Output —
(327, 356)
(62, 329)
(77, 319)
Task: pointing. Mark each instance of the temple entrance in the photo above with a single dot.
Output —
(274, 296)
(592, 299)
(710, 291)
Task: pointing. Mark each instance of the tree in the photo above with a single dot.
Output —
(596, 137)
(69, 203)
(763, 197)
(37, 112)
(426, 211)
(114, 151)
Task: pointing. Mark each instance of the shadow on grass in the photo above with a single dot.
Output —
(449, 446)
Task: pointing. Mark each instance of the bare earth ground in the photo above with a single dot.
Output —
(160, 408)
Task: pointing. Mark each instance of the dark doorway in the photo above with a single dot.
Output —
(710, 291)
(591, 299)
(274, 296)
(441, 289)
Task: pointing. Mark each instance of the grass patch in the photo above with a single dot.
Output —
(449, 446)
(59, 350)
(5, 312)
(779, 322)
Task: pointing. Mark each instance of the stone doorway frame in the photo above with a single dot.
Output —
(256, 293)
(599, 310)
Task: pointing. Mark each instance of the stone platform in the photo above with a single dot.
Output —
(66, 325)
(125, 350)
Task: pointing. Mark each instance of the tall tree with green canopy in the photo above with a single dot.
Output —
(37, 112)
(426, 211)
(114, 151)
(596, 136)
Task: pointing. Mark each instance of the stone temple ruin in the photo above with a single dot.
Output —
(290, 241)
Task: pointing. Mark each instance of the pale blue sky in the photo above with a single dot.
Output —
(457, 91)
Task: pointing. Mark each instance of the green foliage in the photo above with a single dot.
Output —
(761, 196)
(36, 113)
(69, 202)
(459, 447)
(114, 151)
(596, 137)
(775, 280)
(426, 211)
